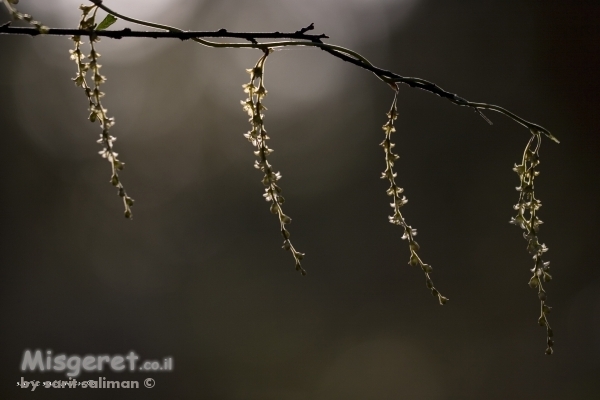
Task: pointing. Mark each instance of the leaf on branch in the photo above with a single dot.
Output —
(106, 22)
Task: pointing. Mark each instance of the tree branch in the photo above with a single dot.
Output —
(6, 29)
(435, 89)
(351, 56)
(303, 39)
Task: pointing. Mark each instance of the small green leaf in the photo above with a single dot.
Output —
(106, 22)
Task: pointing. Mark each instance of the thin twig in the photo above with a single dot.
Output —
(391, 78)
(349, 55)
(435, 89)
(6, 29)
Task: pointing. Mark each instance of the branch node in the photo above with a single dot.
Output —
(459, 100)
(124, 31)
(308, 28)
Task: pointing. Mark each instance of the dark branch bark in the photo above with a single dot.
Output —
(435, 89)
(221, 33)
(428, 86)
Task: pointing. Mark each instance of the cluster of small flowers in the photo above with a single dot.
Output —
(395, 191)
(24, 17)
(527, 219)
(258, 137)
(97, 111)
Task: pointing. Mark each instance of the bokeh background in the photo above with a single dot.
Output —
(199, 274)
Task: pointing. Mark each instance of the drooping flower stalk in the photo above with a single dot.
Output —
(527, 219)
(395, 191)
(258, 137)
(16, 14)
(97, 111)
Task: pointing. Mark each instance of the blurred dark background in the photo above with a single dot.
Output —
(199, 274)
